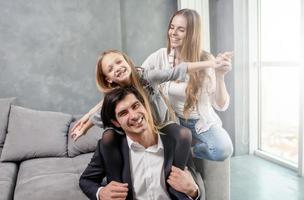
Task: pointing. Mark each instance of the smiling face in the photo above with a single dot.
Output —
(116, 69)
(131, 116)
(177, 31)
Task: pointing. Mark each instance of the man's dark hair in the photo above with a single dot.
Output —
(110, 101)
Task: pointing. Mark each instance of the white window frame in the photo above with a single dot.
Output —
(301, 117)
(241, 75)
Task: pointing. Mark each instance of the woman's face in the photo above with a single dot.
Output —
(116, 69)
(177, 31)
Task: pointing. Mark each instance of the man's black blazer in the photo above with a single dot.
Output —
(96, 170)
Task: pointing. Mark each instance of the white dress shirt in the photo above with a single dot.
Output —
(147, 171)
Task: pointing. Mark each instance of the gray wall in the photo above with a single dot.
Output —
(222, 39)
(49, 49)
(145, 26)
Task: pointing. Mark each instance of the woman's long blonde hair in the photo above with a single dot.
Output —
(105, 87)
(191, 52)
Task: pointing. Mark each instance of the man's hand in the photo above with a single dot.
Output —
(114, 190)
(182, 181)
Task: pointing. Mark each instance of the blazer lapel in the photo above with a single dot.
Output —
(126, 172)
(169, 147)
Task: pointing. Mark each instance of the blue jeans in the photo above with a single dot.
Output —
(213, 144)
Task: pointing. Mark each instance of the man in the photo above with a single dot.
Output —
(147, 156)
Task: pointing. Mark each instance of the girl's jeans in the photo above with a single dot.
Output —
(213, 144)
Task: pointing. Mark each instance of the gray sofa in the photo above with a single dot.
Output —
(39, 160)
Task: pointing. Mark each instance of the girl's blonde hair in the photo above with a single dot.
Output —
(191, 52)
(104, 86)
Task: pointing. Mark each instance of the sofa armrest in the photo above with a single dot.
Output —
(216, 176)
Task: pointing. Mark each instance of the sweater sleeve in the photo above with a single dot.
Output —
(149, 63)
(157, 76)
(216, 106)
(96, 119)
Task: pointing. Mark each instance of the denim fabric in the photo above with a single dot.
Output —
(213, 144)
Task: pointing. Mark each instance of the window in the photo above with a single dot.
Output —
(272, 39)
(279, 78)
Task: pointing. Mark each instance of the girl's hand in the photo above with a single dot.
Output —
(79, 124)
(78, 128)
(223, 63)
(77, 133)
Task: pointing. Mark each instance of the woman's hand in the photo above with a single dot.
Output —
(223, 63)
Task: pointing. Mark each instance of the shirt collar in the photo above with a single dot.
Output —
(135, 146)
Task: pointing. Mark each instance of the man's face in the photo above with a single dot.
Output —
(131, 115)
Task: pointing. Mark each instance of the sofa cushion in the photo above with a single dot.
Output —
(4, 112)
(8, 174)
(33, 134)
(84, 144)
(51, 178)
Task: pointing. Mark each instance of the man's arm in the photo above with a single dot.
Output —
(93, 175)
(182, 181)
(91, 178)
(187, 181)
(113, 190)
(197, 178)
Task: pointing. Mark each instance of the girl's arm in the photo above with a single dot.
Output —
(222, 60)
(81, 131)
(84, 123)
(86, 117)
(95, 108)
(197, 66)
(157, 76)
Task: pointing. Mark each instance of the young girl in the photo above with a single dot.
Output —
(193, 100)
(115, 69)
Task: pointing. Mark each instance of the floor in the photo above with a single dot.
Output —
(253, 178)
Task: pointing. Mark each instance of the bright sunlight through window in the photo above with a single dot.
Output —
(280, 53)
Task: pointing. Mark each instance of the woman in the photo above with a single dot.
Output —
(193, 101)
(115, 69)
